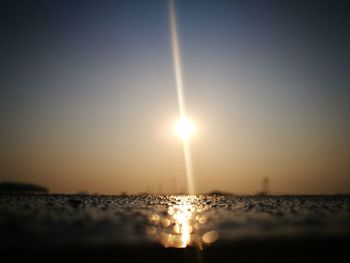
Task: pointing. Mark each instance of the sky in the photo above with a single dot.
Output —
(88, 95)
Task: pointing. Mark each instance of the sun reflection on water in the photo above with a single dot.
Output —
(182, 216)
(182, 224)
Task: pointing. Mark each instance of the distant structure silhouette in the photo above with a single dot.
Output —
(174, 186)
(160, 188)
(265, 186)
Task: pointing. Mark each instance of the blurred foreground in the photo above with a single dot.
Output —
(180, 228)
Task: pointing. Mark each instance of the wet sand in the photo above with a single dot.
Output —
(204, 228)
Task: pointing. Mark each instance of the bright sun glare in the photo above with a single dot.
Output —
(185, 128)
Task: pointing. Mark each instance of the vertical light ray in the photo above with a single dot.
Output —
(180, 94)
(176, 59)
(188, 166)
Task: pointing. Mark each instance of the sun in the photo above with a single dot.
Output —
(185, 128)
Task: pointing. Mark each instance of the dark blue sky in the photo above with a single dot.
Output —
(87, 90)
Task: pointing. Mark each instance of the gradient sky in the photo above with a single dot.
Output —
(88, 96)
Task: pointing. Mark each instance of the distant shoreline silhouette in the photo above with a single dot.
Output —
(12, 187)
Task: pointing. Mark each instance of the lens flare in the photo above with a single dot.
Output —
(176, 59)
(184, 128)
